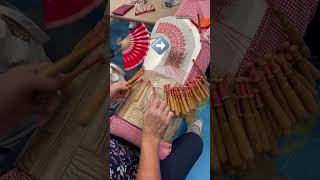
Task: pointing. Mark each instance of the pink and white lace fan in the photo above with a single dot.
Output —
(184, 46)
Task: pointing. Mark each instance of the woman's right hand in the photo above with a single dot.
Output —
(156, 120)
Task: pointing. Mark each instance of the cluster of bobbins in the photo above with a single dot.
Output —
(181, 99)
(184, 99)
(272, 95)
(144, 86)
(177, 40)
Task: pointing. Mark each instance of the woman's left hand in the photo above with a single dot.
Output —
(25, 90)
(118, 90)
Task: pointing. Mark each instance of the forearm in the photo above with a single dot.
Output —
(149, 165)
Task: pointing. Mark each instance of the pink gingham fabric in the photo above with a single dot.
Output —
(16, 174)
(203, 59)
(132, 134)
(270, 33)
(191, 8)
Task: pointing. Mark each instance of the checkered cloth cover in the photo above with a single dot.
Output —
(203, 59)
(270, 32)
(191, 8)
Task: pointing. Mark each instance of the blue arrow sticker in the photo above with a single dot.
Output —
(160, 45)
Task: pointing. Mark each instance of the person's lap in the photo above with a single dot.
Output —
(185, 152)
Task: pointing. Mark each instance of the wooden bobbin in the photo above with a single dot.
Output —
(267, 124)
(268, 97)
(260, 125)
(183, 99)
(292, 98)
(248, 118)
(227, 138)
(194, 92)
(235, 123)
(305, 96)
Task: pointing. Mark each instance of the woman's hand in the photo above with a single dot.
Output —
(24, 90)
(156, 120)
(118, 90)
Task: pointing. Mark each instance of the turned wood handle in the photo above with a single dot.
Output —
(71, 60)
(79, 70)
